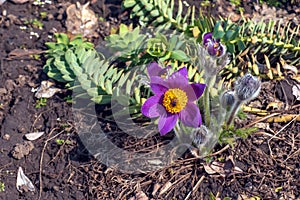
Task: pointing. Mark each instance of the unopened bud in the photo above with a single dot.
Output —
(247, 87)
(212, 65)
(227, 99)
(201, 135)
(213, 46)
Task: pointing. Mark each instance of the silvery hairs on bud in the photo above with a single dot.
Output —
(247, 87)
(223, 60)
(227, 99)
(211, 64)
(200, 136)
(205, 61)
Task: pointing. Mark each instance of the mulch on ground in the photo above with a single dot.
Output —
(266, 164)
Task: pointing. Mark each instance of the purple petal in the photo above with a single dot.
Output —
(222, 50)
(158, 85)
(154, 69)
(190, 116)
(165, 71)
(157, 80)
(194, 91)
(183, 71)
(211, 49)
(178, 79)
(167, 122)
(206, 37)
(158, 89)
(151, 108)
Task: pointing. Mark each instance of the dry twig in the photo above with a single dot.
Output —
(194, 188)
(42, 156)
(278, 133)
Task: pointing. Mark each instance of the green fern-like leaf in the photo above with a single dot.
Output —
(90, 75)
(249, 43)
(84, 70)
(255, 41)
(161, 13)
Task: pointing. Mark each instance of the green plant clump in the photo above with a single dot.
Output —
(2, 187)
(122, 73)
(41, 102)
(76, 63)
(160, 13)
(244, 40)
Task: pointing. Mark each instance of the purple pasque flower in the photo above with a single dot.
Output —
(213, 46)
(173, 99)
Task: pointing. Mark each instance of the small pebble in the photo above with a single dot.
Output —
(50, 16)
(3, 91)
(4, 13)
(6, 137)
(10, 85)
(56, 188)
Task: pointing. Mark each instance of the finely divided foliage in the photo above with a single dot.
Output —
(161, 13)
(80, 66)
(77, 61)
(193, 50)
(243, 40)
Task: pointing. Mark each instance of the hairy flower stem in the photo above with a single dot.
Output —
(233, 111)
(210, 80)
(182, 133)
(178, 131)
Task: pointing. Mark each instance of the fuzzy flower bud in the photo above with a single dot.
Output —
(227, 99)
(212, 55)
(247, 87)
(200, 136)
(210, 64)
(213, 46)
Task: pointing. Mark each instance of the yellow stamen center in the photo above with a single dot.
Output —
(164, 75)
(175, 100)
(216, 45)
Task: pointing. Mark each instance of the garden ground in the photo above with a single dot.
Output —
(264, 165)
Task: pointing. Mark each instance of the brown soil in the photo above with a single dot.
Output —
(60, 167)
